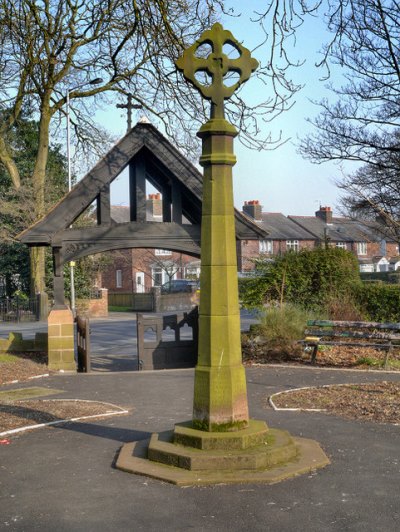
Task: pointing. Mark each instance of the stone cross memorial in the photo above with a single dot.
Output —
(220, 443)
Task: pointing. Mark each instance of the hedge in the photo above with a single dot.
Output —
(381, 302)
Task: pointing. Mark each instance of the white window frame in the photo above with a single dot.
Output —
(292, 245)
(163, 252)
(341, 245)
(156, 276)
(163, 275)
(265, 246)
(362, 248)
(118, 278)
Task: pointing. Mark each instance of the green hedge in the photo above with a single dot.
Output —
(307, 278)
(381, 302)
(384, 277)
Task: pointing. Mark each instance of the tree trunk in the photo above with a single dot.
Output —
(9, 164)
(38, 182)
(37, 263)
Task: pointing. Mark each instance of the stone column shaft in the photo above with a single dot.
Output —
(220, 397)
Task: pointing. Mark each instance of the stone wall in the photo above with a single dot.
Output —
(94, 308)
(15, 343)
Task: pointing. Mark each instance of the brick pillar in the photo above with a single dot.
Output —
(61, 350)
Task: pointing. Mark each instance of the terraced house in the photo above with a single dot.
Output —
(375, 252)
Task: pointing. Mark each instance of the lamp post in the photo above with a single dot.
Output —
(95, 81)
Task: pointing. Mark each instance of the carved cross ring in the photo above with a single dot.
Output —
(217, 64)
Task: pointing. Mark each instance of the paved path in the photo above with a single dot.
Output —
(62, 478)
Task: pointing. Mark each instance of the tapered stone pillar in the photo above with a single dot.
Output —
(220, 397)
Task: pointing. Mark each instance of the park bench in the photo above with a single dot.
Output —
(351, 333)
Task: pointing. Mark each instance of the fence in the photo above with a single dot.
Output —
(139, 302)
(154, 301)
(83, 344)
(17, 309)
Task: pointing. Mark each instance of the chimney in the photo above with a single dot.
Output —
(325, 214)
(254, 209)
(154, 205)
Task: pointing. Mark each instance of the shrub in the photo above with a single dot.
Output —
(308, 278)
(381, 302)
(343, 307)
(281, 326)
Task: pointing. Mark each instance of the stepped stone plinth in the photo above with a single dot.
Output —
(187, 456)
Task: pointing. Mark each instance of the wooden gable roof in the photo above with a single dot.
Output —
(163, 161)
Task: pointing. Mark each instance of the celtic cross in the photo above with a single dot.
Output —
(217, 65)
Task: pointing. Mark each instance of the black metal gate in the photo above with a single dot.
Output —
(15, 309)
(83, 344)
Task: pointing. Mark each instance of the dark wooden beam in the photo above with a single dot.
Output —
(166, 203)
(103, 206)
(137, 190)
(176, 202)
(78, 243)
(58, 278)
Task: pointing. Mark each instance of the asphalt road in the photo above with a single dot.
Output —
(113, 340)
(62, 478)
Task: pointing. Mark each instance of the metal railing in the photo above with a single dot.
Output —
(16, 309)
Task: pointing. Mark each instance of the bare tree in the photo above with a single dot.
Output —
(372, 193)
(48, 47)
(361, 123)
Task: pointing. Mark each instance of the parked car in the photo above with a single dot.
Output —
(179, 285)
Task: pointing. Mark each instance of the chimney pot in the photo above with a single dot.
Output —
(254, 209)
(325, 214)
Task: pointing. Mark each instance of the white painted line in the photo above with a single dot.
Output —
(273, 405)
(28, 379)
(324, 368)
(118, 412)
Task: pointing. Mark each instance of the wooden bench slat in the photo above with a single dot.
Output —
(319, 330)
(347, 344)
(351, 334)
(354, 324)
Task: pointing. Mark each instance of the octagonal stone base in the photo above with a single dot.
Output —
(255, 454)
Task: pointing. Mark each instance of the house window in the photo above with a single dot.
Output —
(163, 252)
(341, 245)
(292, 245)
(192, 272)
(118, 278)
(157, 275)
(265, 246)
(361, 248)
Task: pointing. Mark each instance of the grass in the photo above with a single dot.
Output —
(378, 363)
(27, 393)
(6, 357)
(369, 361)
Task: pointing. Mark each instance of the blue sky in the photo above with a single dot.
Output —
(280, 179)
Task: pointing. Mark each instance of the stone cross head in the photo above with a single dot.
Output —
(217, 65)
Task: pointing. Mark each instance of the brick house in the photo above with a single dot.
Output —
(364, 239)
(137, 269)
(374, 251)
(283, 235)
